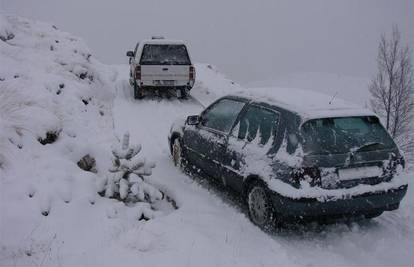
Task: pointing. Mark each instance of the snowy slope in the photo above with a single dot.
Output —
(211, 84)
(340, 86)
(209, 228)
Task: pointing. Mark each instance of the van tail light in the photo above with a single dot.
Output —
(138, 72)
(310, 174)
(192, 73)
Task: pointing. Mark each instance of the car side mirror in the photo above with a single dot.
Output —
(193, 120)
(130, 54)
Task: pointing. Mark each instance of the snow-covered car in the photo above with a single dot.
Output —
(161, 65)
(290, 160)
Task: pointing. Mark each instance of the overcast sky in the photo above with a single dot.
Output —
(247, 40)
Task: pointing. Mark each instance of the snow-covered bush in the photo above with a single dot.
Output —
(126, 180)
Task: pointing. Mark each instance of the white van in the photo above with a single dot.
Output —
(161, 65)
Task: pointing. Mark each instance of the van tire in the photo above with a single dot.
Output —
(184, 93)
(138, 92)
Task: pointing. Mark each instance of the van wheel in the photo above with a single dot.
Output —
(183, 93)
(138, 92)
(261, 210)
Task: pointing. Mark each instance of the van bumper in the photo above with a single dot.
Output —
(362, 204)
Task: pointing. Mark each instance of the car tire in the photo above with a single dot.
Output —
(260, 207)
(177, 152)
(138, 92)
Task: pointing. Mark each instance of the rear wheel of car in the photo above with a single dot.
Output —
(138, 92)
(177, 152)
(261, 210)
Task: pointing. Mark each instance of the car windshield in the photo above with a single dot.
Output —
(164, 55)
(343, 135)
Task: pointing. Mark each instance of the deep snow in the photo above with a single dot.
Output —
(209, 228)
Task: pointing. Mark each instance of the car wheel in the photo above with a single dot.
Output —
(138, 92)
(177, 152)
(260, 206)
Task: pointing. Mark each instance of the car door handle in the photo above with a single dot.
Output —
(164, 69)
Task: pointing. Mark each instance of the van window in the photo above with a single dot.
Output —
(164, 54)
(258, 124)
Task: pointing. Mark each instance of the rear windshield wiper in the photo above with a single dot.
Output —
(368, 145)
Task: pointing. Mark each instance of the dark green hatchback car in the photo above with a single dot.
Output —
(294, 161)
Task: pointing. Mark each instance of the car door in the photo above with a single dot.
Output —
(252, 139)
(132, 63)
(206, 142)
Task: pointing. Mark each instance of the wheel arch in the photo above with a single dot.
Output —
(251, 179)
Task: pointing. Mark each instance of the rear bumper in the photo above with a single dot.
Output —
(356, 205)
(149, 84)
(161, 84)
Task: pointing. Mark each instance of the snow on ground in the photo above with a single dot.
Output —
(211, 84)
(209, 228)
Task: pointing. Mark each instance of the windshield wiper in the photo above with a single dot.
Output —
(368, 145)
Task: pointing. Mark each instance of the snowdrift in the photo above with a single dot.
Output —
(55, 107)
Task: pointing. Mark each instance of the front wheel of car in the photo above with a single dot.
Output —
(177, 152)
(261, 210)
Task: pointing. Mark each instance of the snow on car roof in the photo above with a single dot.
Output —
(307, 103)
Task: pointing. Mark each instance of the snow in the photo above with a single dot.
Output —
(209, 228)
(338, 85)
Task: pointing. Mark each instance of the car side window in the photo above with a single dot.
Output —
(222, 115)
(258, 123)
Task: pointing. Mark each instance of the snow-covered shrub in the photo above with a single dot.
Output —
(126, 180)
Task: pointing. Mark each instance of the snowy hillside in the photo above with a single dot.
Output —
(342, 86)
(58, 104)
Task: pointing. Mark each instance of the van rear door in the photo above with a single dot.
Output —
(165, 64)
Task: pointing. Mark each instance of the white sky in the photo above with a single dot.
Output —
(248, 40)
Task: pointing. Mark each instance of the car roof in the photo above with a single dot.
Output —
(307, 104)
(162, 41)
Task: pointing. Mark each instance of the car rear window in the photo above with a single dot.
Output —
(343, 135)
(164, 54)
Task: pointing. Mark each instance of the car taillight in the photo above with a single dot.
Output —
(192, 73)
(310, 174)
(395, 165)
(138, 73)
